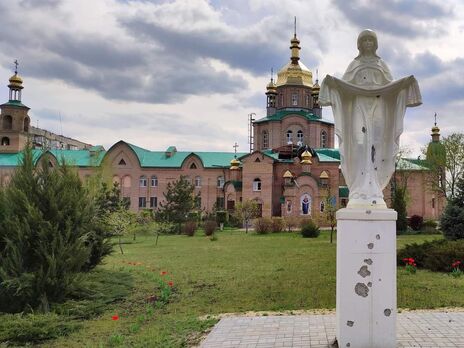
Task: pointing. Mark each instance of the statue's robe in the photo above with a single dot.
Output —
(368, 109)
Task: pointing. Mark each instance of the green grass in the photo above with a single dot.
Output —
(236, 273)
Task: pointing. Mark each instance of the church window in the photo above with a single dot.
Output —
(220, 202)
(307, 100)
(289, 137)
(153, 202)
(27, 121)
(294, 99)
(154, 181)
(198, 181)
(322, 206)
(265, 140)
(142, 202)
(7, 122)
(299, 137)
(122, 162)
(257, 184)
(323, 139)
(5, 141)
(126, 181)
(193, 166)
(220, 181)
(433, 202)
(143, 181)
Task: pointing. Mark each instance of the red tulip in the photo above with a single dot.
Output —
(115, 317)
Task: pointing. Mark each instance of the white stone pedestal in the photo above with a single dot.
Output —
(366, 278)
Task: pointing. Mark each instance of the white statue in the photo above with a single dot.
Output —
(368, 108)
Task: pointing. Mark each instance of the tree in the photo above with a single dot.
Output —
(179, 200)
(119, 222)
(399, 192)
(452, 219)
(246, 211)
(399, 204)
(330, 214)
(45, 220)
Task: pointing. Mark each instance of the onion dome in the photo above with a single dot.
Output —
(316, 88)
(16, 82)
(295, 72)
(306, 157)
(287, 175)
(271, 87)
(234, 164)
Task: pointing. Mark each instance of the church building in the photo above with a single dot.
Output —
(292, 168)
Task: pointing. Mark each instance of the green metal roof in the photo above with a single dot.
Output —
(412, 164)
(150, 159)
(279, 115)
(15, 103)
(79, 158)
(343, 192)
(14, 159)
(328, 155)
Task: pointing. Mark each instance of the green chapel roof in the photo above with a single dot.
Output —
(149, 158)
(14, 103)
(14, 159)
(328, 155)
(80, 158)
(280, 114)
(412, 164)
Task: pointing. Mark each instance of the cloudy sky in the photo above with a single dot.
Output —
(188, 72)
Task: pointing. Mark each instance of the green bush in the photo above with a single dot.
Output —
(278, 224)
(210, 227)
(166, 228)
(263, 225)
(436, 255)
(310, 230)
(416, 222)
(430, 227)
(221, 216)
(34, 328)
(452, 222)
(189, 228)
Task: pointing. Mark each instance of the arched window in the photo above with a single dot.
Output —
(143, 181)
(299, 137)
(198, 181)
(26, 124)
(126, 181)
(154, 181)
(220, 182)
(5, 141)
(265, 143)
(7, 122)
(257, 184)
(295, 99)
(193, 166)
(289, 137)
(323, 139)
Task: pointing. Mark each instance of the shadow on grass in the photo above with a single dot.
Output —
(90, 298)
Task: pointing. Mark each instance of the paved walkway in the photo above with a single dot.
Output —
(415, 329)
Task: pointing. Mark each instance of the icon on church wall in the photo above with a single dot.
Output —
(306, 204)
(289, 207)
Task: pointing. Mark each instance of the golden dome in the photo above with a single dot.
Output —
(16, 81)
(271, 86)
(288, 175)
(234, 164)
(435, 130)
(306, 157)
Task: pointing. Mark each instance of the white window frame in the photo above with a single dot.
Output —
(154, 181)
(257, 185)
(294, 99)
(198, 181)
(143, 181)
(289, 136)
(220, 182)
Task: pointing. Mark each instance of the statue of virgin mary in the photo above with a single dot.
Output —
(368, 107)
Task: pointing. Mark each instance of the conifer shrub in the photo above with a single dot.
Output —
(415, 222)
(263, 225)
(452, 222)
(45, 222)
(189, 228)
(430, 227)
(210, 227)
(310, 230)
(278, 224)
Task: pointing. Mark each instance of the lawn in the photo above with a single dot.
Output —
(239, 272)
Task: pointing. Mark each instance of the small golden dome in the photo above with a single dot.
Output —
(324, 175)
(234, 164)
(306, 157)
(316, 88)
(271, 85)
(288, 175)
(435, 130)
(16, 81)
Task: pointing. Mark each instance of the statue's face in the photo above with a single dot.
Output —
(368, 44)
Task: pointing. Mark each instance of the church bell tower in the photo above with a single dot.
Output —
(14, 121)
